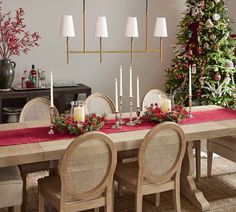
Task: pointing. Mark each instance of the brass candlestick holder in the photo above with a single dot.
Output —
(131, 123)
(52, 116)
(190, 106)
(138, 121)
(117, 123)
(121, 106)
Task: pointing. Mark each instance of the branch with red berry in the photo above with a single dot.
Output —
(154, 113)
(67, 125)
(14, 38)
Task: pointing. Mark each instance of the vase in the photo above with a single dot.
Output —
(7, 73)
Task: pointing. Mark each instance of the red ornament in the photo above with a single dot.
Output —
(179, 76)
(198, 93)
(193, 43)
(217, 77)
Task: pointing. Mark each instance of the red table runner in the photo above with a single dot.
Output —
(40, 134)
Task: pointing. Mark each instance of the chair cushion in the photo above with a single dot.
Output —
(11, 186)
(227, 141)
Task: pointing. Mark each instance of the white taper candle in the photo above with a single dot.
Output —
(138, 102)
(116, 96)
(130, 82)
(51, 91)
(121, 84)
(190, 81)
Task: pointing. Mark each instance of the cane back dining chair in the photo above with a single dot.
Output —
(36, 109)
(158, 166)
(224, 146)
(154, 96)
(99, 103)
(86, 176)
(11, 186)
(151, 97)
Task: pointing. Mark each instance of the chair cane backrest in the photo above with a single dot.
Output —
(99, 103)
(151, 97)
(36, 109)
(88, 166)
(161, 153)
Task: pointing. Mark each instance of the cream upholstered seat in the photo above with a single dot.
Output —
(86, 176)
(158, 167)
(99, 103)
(11, 188)
(224, 146)
(36, 109)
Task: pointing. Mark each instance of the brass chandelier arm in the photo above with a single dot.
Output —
(146, 27)
(84, 27)
(114, 51)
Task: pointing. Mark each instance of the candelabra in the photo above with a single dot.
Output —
(131, 123)
(117, 123)
(138, 121)
(121, 106)
(190, 106)
(52, 116)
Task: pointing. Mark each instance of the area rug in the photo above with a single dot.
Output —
(219, 190)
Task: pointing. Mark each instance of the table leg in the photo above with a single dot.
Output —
(188, 186)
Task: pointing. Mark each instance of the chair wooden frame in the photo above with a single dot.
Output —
(100, 196)
(40, 166)
(146, 182)
(103, 96)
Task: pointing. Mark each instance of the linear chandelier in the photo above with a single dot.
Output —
(101, 31)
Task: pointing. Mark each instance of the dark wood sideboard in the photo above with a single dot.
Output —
(17, 98)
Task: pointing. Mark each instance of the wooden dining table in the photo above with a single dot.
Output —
(54, 150)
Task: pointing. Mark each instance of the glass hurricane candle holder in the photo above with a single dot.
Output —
(78, 111)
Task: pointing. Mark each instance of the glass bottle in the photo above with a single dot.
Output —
(33, 76)
(24, 79)
(41, 79)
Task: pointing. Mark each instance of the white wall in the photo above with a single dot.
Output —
(44, 16)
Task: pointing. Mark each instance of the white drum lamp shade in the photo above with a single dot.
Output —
(67, 26)
(101, 27)
(160, 29)
(131, 27)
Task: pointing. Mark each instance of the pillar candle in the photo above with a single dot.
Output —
(190, 81)
(116, 96)
(121, 84)
(51, 91)
(79, 114)
(166, 105)
(130, 82)
(138, 102)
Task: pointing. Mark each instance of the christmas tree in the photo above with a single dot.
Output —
(206, 46)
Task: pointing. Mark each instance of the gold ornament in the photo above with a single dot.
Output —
(212, 36)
